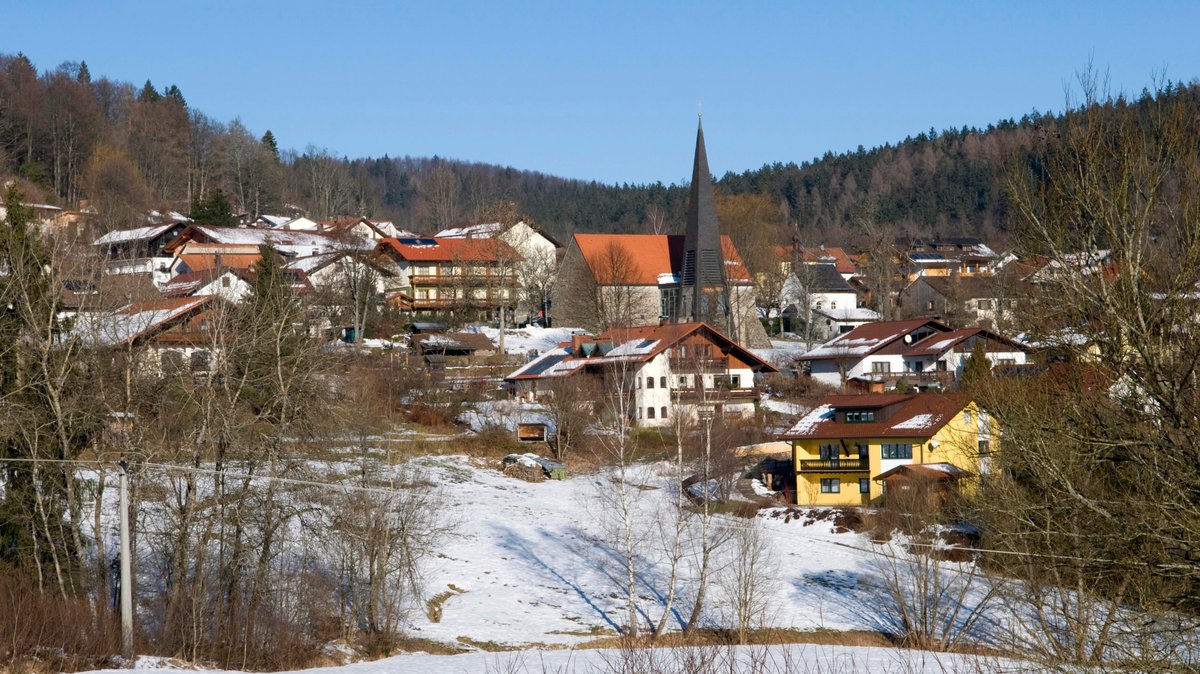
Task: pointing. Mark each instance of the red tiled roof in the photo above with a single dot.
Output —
(841, 260)
(642, 257)
(449, 250)
(911, 415)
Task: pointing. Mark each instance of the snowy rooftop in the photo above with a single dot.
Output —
(483, 231)
(136, 234)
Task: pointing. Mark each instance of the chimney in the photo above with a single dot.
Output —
(577, 344)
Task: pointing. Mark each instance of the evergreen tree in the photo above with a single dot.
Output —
(275, 345)
(213, 210)
(148, 94)
(173, 93)
(977, 367)
(268, 141)
(83, 76)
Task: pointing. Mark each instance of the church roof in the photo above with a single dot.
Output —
(639, 259)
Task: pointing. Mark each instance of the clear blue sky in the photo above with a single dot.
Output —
(606, 90)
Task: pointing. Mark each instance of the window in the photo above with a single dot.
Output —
(860, 417)
(966, 416)
(831, 485)
(983, 304)
(638, 381)
(863, 450)
(1006, 361)
(171, 361)
(225, 281)
(668, 299)
(662, 412)
(881, 367)
(662, 381)
(832, 305)
(199, 361)
(929, 306)
(864, 485)
(683, 381)
(649, 412)
(649, 382)
(828, 452)
(895, 450)
(639, 413)
(985, 447)
(735, 381)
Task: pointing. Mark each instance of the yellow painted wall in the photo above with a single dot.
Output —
(957, 444)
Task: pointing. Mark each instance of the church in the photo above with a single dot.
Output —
(620, 280)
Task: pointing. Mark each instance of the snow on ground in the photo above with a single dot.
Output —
(534, 565)
(783, 407)
(505, 414)
(530, 564)
(809, 659)
(521, 341)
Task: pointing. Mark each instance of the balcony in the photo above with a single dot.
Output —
(926, 378)
(714, 394)
(685, 365)
(834, 466)
(503, 280)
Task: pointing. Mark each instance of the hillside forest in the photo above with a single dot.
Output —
(125, 149)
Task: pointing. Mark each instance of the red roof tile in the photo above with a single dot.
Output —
(908, 415)
(643, 257)
(449, 250)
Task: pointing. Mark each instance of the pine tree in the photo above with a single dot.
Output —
(213, 210)
(148, 94)
(83, 76)
(268, 141)
(174, 94)
(977, 367)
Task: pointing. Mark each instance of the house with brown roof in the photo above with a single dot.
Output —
(987, 301)
(670, 369)
(834, 255)
(923, 353)
(451, 275)
(849, 447)
(140, 251)
(537, 267)
(165, 336)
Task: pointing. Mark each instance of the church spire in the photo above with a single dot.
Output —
(702, 288)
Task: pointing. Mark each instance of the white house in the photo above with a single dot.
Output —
(671, 369)
(538, 251)
(922, 352)
(819, 303)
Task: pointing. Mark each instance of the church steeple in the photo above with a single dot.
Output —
(702, 288)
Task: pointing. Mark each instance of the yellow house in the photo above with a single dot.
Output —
(847, 442)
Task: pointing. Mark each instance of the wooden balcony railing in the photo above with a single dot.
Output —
(684, 365)
(502, 280)
(853, 465)
(714, 393)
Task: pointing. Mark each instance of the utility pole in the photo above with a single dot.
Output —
(126, 570)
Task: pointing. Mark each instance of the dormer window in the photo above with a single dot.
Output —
(860, 417)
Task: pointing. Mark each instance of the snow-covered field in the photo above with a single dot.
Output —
(531, 565)
(795, 659)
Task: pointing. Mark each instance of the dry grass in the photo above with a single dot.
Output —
(433, 607)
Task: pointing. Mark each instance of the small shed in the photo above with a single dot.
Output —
(931, 482)
(532, 432)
